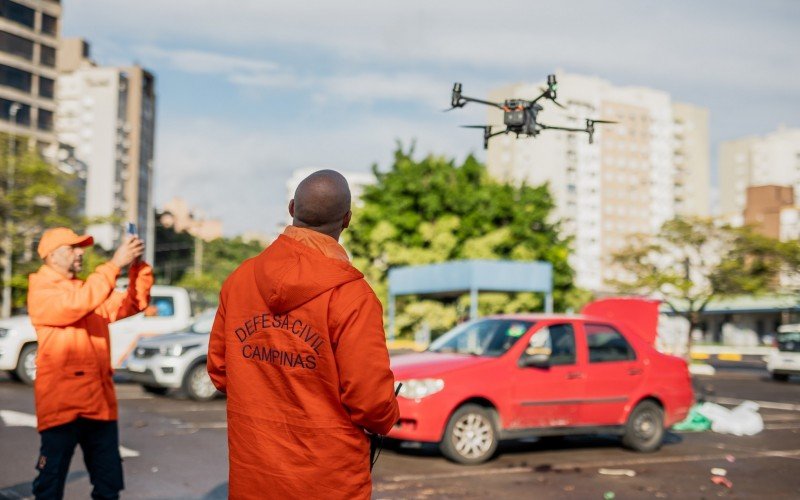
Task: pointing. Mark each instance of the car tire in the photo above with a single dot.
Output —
(197, 384)
(25, 371)
(644, 431)
(470, 437)
(155, 389)
(780, 377)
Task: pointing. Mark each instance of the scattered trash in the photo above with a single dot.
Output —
(569, 488)
(154, 469)
(743, 420)
(617, 472)
(723, 481)
(694, 421)
(719, 472)
(609, 495)
(730, 458)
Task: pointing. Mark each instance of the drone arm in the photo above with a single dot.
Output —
(568, 129)
(465, 100)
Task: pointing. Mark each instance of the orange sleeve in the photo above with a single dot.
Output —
(54, 306)
(215, 362)
(362, 359)
(120, 305)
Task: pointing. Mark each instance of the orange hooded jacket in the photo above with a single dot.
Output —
(71, 317)
(298, 346)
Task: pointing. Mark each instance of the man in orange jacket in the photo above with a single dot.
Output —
(75, 399)
(298, 346)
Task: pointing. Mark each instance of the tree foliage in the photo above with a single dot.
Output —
(694, 260)
(43, 196)
(433, 210)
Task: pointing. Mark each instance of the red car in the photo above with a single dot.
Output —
(514, 376)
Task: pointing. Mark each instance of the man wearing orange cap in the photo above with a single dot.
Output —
(298, 346)
(74, 392)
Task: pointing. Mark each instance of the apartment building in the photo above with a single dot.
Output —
(640, 172)
(29, 31)
(772, 159)
(106, 116)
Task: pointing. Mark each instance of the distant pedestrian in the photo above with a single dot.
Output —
(75, 399)
(298, 345)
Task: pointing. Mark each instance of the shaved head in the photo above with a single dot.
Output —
(322, 203)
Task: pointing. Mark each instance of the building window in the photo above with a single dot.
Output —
(46, 87)
(45, 121)
(47, 56)
(17, 13)
(16, 45)
(16, 78)
(23, 115)
(49, 25)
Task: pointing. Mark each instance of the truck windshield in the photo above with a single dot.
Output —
(789, 342)
(483, 337)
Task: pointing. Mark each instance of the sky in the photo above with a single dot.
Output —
(250, 90)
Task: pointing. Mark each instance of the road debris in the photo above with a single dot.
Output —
(724, 481)
(617, 472)
(744, 420)
(719, 472)
(609, 495)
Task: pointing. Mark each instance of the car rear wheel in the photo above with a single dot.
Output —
(198, 385)
(26, 365)
(470, 436)
(780, 377)
(645, 428)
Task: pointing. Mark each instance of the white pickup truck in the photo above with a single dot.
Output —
(170, 311)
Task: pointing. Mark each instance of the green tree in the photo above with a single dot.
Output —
(43, 196)
(695, 260)
(433, 210)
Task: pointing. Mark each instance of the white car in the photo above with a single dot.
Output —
(170, 311)
(784, 360)
(174, 361)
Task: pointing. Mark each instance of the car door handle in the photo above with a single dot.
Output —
(635, 371)
(575, 375)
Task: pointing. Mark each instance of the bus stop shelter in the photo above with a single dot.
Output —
(452, 279)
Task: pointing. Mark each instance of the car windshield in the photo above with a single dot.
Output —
(483, 337)
(202, 325)
(789, 342)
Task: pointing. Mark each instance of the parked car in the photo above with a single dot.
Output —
(514, 376)
(175, 360)
(170, 310)
(784, 359)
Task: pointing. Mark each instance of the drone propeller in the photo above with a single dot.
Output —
(546, 93)
(590, 127)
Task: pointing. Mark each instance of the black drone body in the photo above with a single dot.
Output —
(520, 115)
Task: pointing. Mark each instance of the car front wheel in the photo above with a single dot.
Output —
(470, 436)
(780, 377)
(26, 365)
(645, 428)
(198, 385)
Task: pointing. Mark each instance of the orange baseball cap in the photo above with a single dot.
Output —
(60, 236)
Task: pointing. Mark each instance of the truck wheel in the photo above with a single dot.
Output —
(780, 377)
(154, 389)
(644, 431)
(470, 437)
(26, 365)
(198, 385)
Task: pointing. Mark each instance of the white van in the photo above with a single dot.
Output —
(170, 311)
(784, 360)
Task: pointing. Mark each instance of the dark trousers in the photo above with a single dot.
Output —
(99, 442)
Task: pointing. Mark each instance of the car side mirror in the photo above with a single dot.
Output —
(535, 360)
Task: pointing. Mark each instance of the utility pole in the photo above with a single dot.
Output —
(8, 239)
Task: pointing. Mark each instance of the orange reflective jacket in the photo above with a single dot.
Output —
(71, 317)
(298, 345)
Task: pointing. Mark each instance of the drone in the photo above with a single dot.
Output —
(519, 115)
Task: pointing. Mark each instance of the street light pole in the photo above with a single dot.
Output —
(8, 240)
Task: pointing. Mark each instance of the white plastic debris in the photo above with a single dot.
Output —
(617, 472)
(744, 420)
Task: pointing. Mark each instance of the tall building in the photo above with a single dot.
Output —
(28, 44)
(106, 115)
(773, 159)
(765, 208)
(649, 167)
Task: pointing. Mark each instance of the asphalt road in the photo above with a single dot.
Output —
(177, 450)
